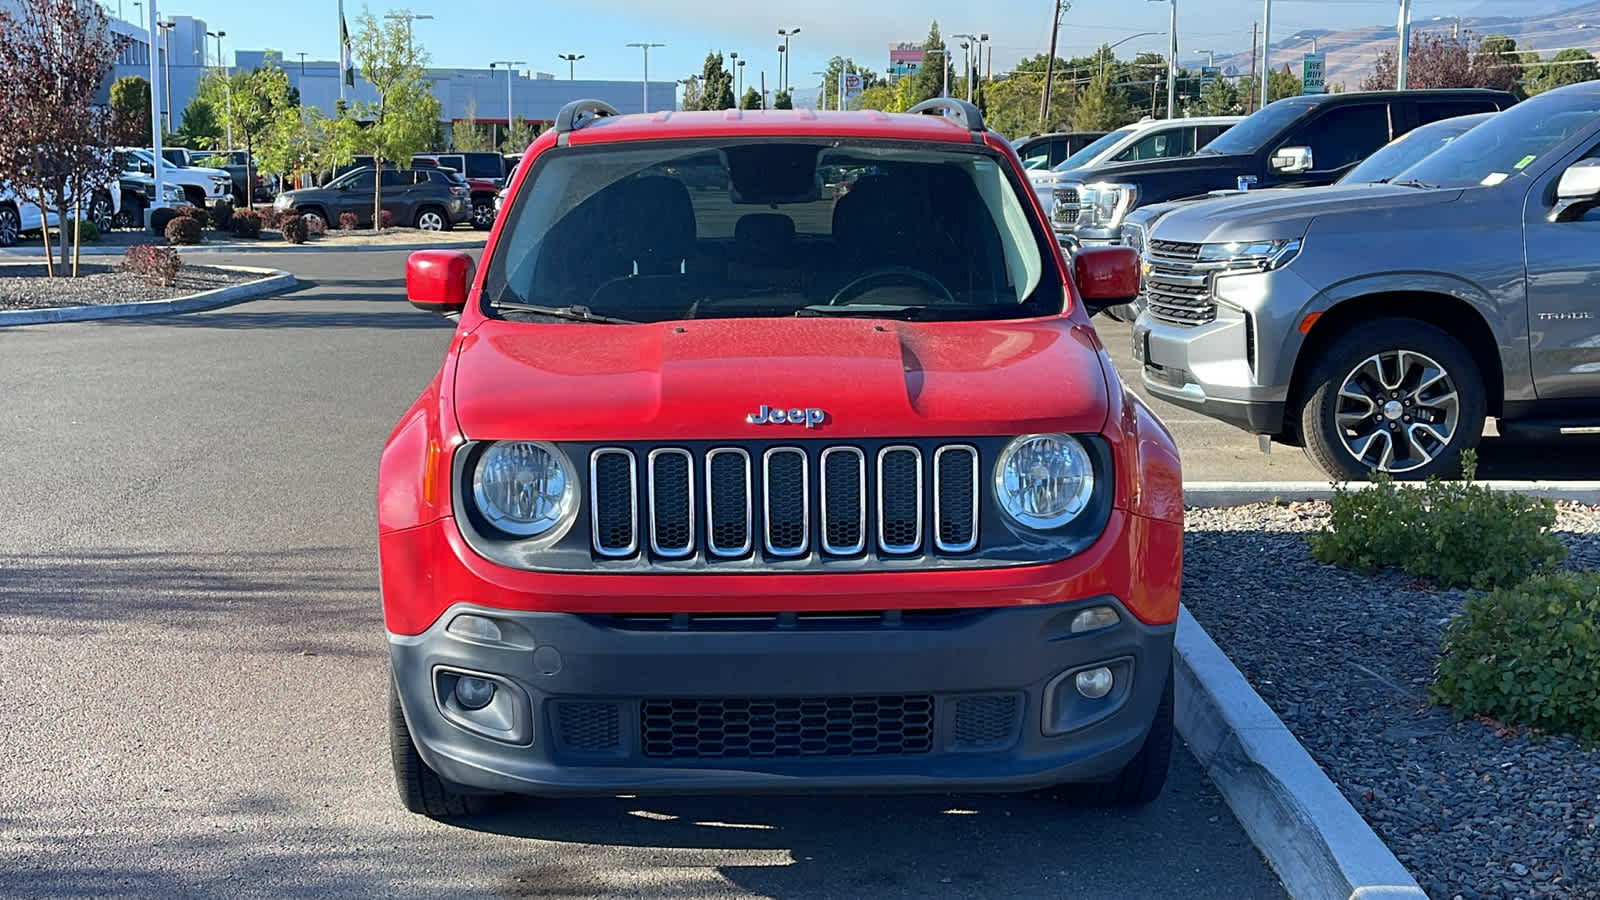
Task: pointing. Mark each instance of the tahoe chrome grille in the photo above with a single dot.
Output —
(1176, 287)
(787, 502)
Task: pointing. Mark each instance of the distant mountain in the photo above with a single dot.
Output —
(1543, 25)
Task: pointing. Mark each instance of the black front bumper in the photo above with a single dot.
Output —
(952, 701)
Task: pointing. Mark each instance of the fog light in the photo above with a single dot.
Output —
(475, 627)
(1088, 620)
(1092, 683)
(475, 693)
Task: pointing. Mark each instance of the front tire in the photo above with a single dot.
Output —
(483, 214)
(102, 212)
(10, 225)
(132, 214)
(432, 218)
(421, 789)
(311, 212)
(1142, 779)
(1393, 395)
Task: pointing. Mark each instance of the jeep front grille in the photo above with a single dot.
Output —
(784, 503)
(1177, 287)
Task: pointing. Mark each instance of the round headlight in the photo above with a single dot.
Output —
(1044, 481)
(525, 488)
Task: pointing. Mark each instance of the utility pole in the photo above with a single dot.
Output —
(1403, 31)
(1250, 102)
(1266, 49)
(572, 63)
(645, 46)
(1050, 63)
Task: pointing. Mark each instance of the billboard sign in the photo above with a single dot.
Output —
(1313, 74)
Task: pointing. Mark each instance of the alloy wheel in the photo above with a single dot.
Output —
(430, 221)
(1397, 411)
(482, 214)
(10, 226)
(101, 214)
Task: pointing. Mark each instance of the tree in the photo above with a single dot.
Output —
(1281, 83)
(130, 110)
(716, 85)
(519, 135)
(54, 137)
(1101, 106)
(1438, 60)
(880, 97)
(1218, 97)
(782, 100)
(932, 75)
(691, 92)
(199, 128)
(257, 108)
(1569, 66)
(751, 99)
(829, 97)
(466, 136)
(405, 114)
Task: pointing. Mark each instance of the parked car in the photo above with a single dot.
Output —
(1294, 142)
(234, 163)
(1379, 325)
(428, 199)
(1382, 166)
(202, 186)
(18, 216)
(713, 491)
(136, 193)
(1046, 151)
(1147, 139)
(482, 166)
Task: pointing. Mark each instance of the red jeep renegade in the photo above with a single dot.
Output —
(774, 451)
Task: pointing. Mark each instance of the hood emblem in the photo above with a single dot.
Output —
(810, 418)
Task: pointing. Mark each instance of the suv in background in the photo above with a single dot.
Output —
(1378, 325)
(1294, 142)
(1147, 139)
(743, 490)
(234, 162)
(429, 199)
(484, 166)
(1046, 151)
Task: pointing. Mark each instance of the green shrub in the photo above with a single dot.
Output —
(1528, 655)
(246, 223)
(86, 230)
(160, 217)
(222, 216)
(1455, 533)
(293, 228)
(183, 230)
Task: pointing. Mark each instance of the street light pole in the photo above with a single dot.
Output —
(645, 46)
(945, 91)
(1172, 58)
(1210, 55)
(408, 18)
(739, 68)
(966, 57)
(1266, 49)
(155, 109)
(572, 63)
(166, 66)
(783, 77)
(508, 63)
(227, 83)
(302, 55)
(1403, 32)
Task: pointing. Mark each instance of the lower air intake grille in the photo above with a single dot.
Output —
(986, 722)
(742, 728)
(590, 727)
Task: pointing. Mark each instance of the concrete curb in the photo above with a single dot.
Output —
(1239, 493)
(28, 254)
(1309, 833)
(275, 282)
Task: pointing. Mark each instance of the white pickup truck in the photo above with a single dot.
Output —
(201, 186)
(18, 216)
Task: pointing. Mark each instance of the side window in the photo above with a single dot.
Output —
(395, 178)
(1037, 155)
(1160, 145)
(1344, 135)
(362, 182)
(1434, 110)
(1205, 134)
(1059, 150)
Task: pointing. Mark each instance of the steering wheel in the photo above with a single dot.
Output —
(886, 275)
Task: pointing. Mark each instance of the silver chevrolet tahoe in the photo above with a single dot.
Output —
(1377, 326)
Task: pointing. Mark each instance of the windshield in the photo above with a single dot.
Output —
(1506, 147)
(1256, 130)
(1407, 150)
(1086, 155)
(768, 229)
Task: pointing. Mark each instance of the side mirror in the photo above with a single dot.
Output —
(1578, 191)
(1106, 276)
(436, 281)
(1292, 160)
(145, 168)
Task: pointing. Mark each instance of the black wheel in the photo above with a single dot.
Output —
(195, 196)
(1122, 312)
(1141, 780)
(432, 218)
(483, 214)
(10, 225)
(313, 212)
(132, 214)
(421, 789)
(1392, 395)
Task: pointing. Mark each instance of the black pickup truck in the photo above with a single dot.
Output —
(1295, 142)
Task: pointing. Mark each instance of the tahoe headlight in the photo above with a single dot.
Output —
(526, 488)
(1044, 481)
(1108, 203)
(1258, 256)
(170, 191)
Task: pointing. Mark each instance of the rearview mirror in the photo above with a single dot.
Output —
(1106, 276)
(436, 281)
(1578, 191)
(1292, 160)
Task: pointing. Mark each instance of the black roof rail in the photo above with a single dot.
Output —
(579, 113)
(960, 110)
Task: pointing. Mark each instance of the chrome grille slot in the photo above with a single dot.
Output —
(844, 501)
(672, 502)
(613, 492)
(728, 502)
(786, 501)
(955, 498)
(1177, 288)
(899, 499)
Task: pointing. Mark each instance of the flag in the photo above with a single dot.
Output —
(347, 71)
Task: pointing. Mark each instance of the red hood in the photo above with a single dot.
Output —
(700, 379)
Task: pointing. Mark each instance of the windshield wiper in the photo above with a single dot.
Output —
(865, 310)
(1412, 182)
(576, 313)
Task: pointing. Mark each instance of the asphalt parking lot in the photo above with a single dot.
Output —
(193, 659)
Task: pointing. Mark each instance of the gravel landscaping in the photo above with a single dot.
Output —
(100, 282)
(1474, 809)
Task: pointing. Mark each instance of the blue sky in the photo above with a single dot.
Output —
(472, 32)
